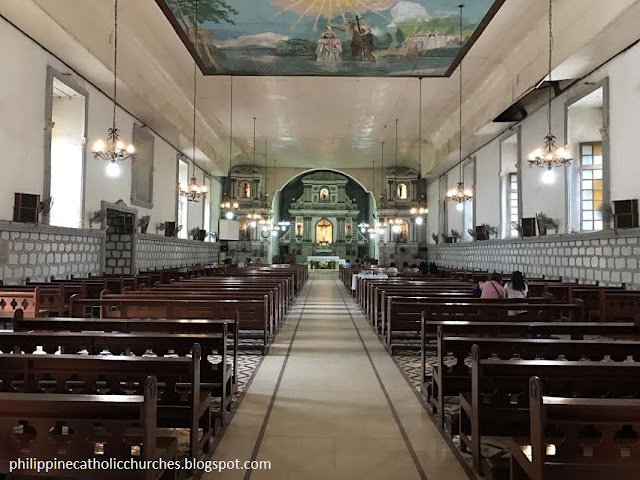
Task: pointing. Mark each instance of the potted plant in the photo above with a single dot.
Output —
(606, 213)
(455, 235)
(546, 223)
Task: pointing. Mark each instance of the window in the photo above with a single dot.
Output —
(67, 155)
(401, 191)
(591, 186)
(513, 204)
(183, 203)
(206, 225)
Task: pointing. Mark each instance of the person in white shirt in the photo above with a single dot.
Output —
(516, 288)
(347, 264)
(392, 271)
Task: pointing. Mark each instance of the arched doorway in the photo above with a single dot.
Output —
(323, 209)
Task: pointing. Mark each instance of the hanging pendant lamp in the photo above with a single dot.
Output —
(550, 155)
(113, 150)
(460, 194)
(194, 191)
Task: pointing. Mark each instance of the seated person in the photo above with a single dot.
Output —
(517, 287)
(493, 287)
(347, 263)
(405, 267)
(415, 269)
(392, 271)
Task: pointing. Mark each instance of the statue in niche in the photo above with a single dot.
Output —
(298, 229)
(324, 232)
(246, 190)
(347, 229)
(324, 195)
(402, 191)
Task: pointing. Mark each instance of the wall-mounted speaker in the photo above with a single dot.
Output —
(170, 229)
(625, 213)
(26, 208)
(529, 227)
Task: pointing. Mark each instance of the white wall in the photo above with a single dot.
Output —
(624, 105)
(22, 113)
(487, 194)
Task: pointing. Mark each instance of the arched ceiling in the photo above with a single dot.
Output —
(325, 122)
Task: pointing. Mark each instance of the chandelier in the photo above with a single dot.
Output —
(229, 209)
(418, 213)
(193, 191)
(113, 150)
(460, 194)
(550, 155)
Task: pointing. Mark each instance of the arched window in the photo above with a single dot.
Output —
(402, 191)
(324, 195)
(245, 190)
(324, 232)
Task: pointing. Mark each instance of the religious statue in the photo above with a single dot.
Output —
(347, 229)
(402, 191)
(361, 42)
(298, 229)
(329, 48)
(324, 194)
(324, 232)
(246, 190)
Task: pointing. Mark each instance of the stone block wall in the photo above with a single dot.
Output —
(156, 251)
(118, 252)
(39, 252)
(610, 257)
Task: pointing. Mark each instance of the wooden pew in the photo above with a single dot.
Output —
(180, 402)
(42, 417)
(215, 378)
(51, 297)
(127, 325)
(28, 301)
(451, 375)
(568, 454)
(252, 314)
(499, 402)
(405, 314)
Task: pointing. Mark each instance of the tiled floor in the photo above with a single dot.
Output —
(328, 402)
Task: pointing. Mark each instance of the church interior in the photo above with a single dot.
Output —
(320, 239)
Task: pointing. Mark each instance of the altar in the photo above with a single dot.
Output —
(314, 261)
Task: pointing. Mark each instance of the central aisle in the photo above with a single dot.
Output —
(328, 402)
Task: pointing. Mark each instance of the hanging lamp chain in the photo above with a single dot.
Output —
(460, 98)
(115, 63)
(195, 80)
(550, 65)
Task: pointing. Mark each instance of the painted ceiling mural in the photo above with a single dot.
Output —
(327, 37)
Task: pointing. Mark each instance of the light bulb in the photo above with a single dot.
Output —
(253, 224)
(396, 229)
(460, 207)
(228, 205)
(119, 145)
(222, 205)
(112, 169)
(274, 233)
(99, 146)
(283, 228)
(372, 235)
(131, 149)
(419, 221)
(235, 204)
(229, 215)
(413, 211)
(548, 177)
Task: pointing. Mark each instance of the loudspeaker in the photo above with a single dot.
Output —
(26, 208)
(482, 233)
(625, 213)
(202, 234)
(529, 227)
(170, 229)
